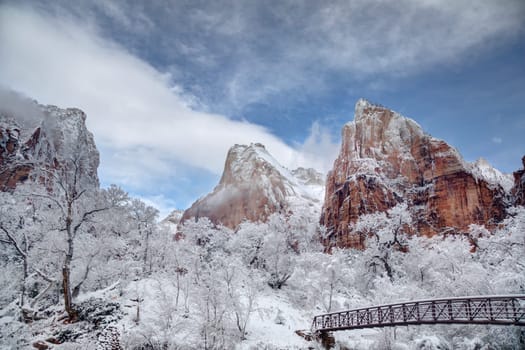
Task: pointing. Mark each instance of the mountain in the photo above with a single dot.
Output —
(44, 136)
(386, 159)
(254, 185)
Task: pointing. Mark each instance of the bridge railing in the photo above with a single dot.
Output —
(503, 309)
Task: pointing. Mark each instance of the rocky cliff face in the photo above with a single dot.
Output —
(253, 186)
(387, 159)
(518, 191)
(49, 140)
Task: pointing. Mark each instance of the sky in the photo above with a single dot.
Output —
(170, 85)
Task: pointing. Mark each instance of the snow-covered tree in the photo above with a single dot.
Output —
(387, 234)
(20, 232)
(74, 198)
(144, 217)
(278, 252)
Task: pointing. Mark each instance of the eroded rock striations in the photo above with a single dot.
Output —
(253, 186)
(387, 159)
(45, 140)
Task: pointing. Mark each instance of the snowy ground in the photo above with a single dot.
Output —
(274, 324)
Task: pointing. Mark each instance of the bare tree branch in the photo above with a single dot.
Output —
(44, 292)
(85, 216)
(13, 242)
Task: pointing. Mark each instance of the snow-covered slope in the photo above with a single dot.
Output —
(254, 185)
(482, 170)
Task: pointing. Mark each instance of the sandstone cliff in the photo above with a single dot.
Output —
(254, 185)
(47, 139)
(387, 159)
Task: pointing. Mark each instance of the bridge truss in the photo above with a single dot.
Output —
(499, 310)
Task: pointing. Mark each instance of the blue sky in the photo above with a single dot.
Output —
(169, 86)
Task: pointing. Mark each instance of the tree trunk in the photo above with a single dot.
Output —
(66, 268)
(146, 250)
(25, 314)
(178, 291)
(23, 289)
(68, 304)
(66, 288)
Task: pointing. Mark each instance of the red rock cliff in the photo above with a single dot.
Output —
(46, 141)
(12, 171)
(386, 159)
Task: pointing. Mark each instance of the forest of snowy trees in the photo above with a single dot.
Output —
(69, 247)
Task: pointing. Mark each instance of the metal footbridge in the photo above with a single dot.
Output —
(497, 310)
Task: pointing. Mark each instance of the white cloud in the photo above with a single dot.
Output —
(163, 204)
(497, 140)
(321, 147)
(271, 49)
(246, 52)
(406, 36)
(142, 124)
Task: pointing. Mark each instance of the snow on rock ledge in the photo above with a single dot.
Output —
(482, 170)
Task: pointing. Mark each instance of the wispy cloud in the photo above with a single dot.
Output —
(497, 140)
(232, 53)
(163, 204)
(269, 48)
(144, 124)
(28, 114)
(321, 146)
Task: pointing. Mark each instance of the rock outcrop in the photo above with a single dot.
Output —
(518, 191)
(253, 186)
(12, 169)
(387, 159)
(52, 139)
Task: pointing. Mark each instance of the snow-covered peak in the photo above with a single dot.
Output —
(68, 125)
(378, 132)
(255, 165)
(64, 136)
(254, 185)
(361, 105)
(482, 170)
(243, 162)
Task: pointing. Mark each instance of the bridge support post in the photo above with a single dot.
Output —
(327, 340)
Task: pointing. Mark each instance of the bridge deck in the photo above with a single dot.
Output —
(503, 310)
